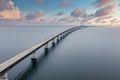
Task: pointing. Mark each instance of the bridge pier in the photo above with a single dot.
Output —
(65, 34)
(58, 39)
(61, 36)
(5, 66)
(4, 77)
(46, 48)
(53, 42)
(33, 57)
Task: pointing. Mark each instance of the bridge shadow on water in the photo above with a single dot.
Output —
(34, 65)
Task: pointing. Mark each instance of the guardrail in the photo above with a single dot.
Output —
(5, 66)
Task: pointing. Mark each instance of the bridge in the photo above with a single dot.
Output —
(10, 63)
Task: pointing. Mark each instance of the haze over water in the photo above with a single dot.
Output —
(87, 54)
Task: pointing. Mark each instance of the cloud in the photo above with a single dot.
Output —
(64, 3)
(8, 10)
(35, 16)
(101, 16)
(39, 13)
(77, 12)
(115, 21)
(68, 20)
(30, 16)
(104, 20)
(9, 13)
(2, 4)
(105, 11)
(98, 18)
(39, 1)
(119, 4)
(87, 19)
(60, 13)
(100, 3)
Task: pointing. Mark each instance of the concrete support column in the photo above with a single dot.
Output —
(53, 42)
(61, 36)
(33, 57)
(58, 39)
(4, 77)
(46, 48)
(65, 34)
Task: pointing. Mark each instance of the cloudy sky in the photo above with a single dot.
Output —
(85, 12)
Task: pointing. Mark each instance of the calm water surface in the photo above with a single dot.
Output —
(87, 54)
(15, 39)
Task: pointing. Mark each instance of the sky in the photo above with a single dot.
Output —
(66, 12)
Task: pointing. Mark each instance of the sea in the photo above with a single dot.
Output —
(90, 53)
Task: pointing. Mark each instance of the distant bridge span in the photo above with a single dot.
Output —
(5, 66)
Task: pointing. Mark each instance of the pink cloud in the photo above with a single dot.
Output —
(39, 13)
(35, 16)
(39, 1)
(78, 12)
(2, 4)
(105, 11)
(66, 20)
(8, 10)
(100, 3)
(115, 20)
(64, 3)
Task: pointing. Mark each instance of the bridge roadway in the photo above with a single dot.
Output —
(87, 54)
(5, 66)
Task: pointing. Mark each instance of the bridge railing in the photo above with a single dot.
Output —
(5, 66)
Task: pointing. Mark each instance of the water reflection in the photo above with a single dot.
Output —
(35, 64)
(87, 54)
(31, 69)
